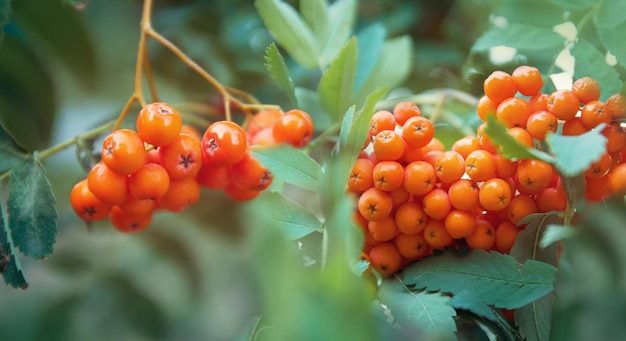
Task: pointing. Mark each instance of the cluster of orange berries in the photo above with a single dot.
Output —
(164, 163)
(415, 197)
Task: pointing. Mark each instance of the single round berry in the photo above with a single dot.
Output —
(224, 143)
(123, 151)
(158, 124)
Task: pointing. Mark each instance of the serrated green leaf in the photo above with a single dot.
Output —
(498, 279)
(467, 300)
(392, 68)
(291, 165)
(9, 263)
(290, 31)
(371, 41)
(337, 83)
(287, 215)
(69, 42)
(555, 233)
(31, 209)
(591, 62)
(10, 152)
(534, 320)
(574, 154)
(526, 244)
(315, 14)
(427, 314)
(275, 65)
(611, 25)
(510, 148)
(341, 17)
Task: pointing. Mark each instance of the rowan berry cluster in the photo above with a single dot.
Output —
(164, 163)
(415, 197)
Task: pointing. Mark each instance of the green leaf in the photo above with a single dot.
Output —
(10, 152)
(287, 215)
(309, 101)
(574, 154)
(426, 314)
(291, 165)
(574, 187)
(555, 233)
(315, 14)
(371, 41)
(510, 148)
(498, 279)
(534, 320)
(522, 37)
(611, 25)
(469, 301)
(591, 62)
(70, 42)
(9, 263)
(392, 68)
(290, 31)
(526, 244)
(341, 17)
(275, 65)
(31, 209)
(5, 12)
(337, 82)
(27, 94)
(346, 125)
(535, 13)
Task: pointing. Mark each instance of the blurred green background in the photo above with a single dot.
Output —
(190, 276)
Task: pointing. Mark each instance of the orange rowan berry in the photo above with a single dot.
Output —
(540, 123)
(263, 119)
(382, 120)
(128, 224)
(411, 245)
(506, 233)
(617, 180)
(499, 85)
(191, 131)
(533, 176)
(182, 158)
(385, 258)
(388, 146)
(418, 131)
(250, 174)
(593, 114)
(434, 145)
(597, 189)
(158, 124)
(383, 230)
(404, 110)
(586, 89)
(85, 204)
(484, 236)
(513, 112)
(150, 182)
(449, 166)
(564, 104)
(616, 106)
(480, 165)
(485, 107)
(388, 175)
(520, 206)
(494, 194)
(375, 204)
(212, 176)
(180, 195)
(109, 187)
(436, 204)
(600, 167)
(410, 217)
(134, 207)
(539, 102)
(504, 168)
(419, 177)
(574, 127)
(528, 80)
(237, 193)
(615, 136)
(295, 127)
(436, 235)
(551, 199)
(123, 151)
(466, 145)
(522, 136)
(224, 143)
(460, 224)
(361, 176)
(463, 194)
